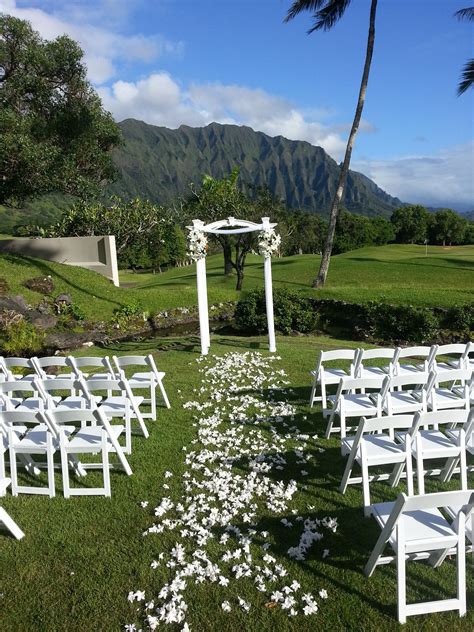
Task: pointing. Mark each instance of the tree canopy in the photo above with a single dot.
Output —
(54, 133)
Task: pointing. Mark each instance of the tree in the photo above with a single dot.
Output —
(467, 79)
(54, 133)
(446, 227)
(218, 199)
(326, 14)
(410, 224)
(136, 223)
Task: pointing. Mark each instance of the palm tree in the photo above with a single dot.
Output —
(326, 14)
(467, 79)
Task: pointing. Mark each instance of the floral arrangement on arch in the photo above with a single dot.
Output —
(268, 242)
(197, 244)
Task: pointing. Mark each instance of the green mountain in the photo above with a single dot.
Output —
(159, 163)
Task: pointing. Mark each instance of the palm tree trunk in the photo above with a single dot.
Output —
(323, 270)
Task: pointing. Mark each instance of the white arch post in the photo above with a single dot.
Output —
(198, 248)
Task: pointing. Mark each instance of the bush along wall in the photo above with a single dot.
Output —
(376, 321)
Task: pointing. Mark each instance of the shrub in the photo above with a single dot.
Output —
(392, 323)
(292, 312)
(21, 338)
(129, 313)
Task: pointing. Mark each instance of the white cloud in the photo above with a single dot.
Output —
(437, 180)
(103, 47)
(160, 100)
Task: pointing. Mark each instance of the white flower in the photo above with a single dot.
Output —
(130, 627)
(144, 503)
(323, 593)
(226, 607)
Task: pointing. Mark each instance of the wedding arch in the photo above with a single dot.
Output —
(268, 244)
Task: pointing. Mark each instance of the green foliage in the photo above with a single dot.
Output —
(292, 312)
(54, 133)
(130, 313)
(410, 224)
(21, 339)
(389, 323)
(446, 227)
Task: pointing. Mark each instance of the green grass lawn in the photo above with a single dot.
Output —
(398, 273)
(80, 557)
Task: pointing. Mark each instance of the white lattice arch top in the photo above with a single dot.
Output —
(231, 226)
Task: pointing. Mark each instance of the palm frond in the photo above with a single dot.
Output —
(325, 12)
(327, 17)
(465, 14)
(467, 80)
(303, 5)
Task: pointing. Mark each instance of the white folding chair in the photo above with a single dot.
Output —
(327, 376)
(428, 442)
(349, 404)
(22, 395)
(40, 438)
(18, 368)
(426, 354)
(363, 370)
(54, 393)
(125, 406)
(445, 394)
(144, 380)
(404, 394)
(5, 519)
(61, 365)
(416, 529)
(94, 435)
(452, 356)
(374, 444)
(86, 367)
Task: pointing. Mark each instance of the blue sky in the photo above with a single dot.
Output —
(173, 62)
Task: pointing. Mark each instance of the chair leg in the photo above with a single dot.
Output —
(365, 486)
(106, 466)
(461, 568)
(164, 395)
(323, 395)
(401, 577)
(11, 525)
(13, 473)
(50, 463)
(463, 466)
(153, 400)
(65, 473)
(313, 393)
(330, 424)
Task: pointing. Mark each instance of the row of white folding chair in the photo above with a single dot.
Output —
(69, 366)
(396, 440)
(425, 527)
(69, 432)
(46, 395)
(433, 358)
(390, 395)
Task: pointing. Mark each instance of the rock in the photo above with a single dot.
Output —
(42, 321)
(14, 303)
(9, 317)
(88, 344)
(43, 285)
(44, 307)
(61, 340)
(63, 299)
(4, 287)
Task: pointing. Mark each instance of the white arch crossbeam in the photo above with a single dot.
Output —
(231, 226)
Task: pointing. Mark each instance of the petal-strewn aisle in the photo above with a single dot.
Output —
(234, 481)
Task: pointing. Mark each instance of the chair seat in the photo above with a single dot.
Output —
(75, 402)
(31, 404)
(374, 371)
(410, 369)
(36, 438)
(381, 449)
(117, 404)
(358, 404)
(332, 376)
(445, 398)
(403, 401)
(435, 444)
(424, 529)
(90, 438)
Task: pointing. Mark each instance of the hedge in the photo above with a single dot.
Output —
(376, 321)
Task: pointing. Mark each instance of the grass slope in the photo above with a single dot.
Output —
(399, 274)
(80, 557)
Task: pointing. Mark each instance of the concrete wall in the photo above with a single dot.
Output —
(94, 253)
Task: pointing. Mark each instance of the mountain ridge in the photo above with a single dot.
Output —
(159, 163)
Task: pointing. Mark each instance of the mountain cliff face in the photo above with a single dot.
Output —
(159, 163)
